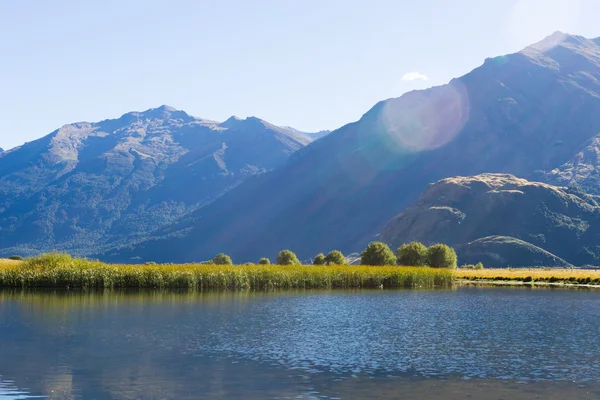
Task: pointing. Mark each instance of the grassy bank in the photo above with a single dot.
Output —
(62, 271)
(527, 275)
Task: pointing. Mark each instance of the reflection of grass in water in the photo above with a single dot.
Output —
(582, 276)
(62, 271)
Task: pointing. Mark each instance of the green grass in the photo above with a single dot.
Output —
(62, 271)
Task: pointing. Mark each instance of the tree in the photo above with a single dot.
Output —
(335, 257)
(287, 257)
(264, 261)
(441, 256)
(377, 253)
(222, 259)
(16, 258)
(412, 254)
(319, 259)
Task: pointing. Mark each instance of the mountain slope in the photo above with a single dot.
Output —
(90, 184)
(524, 113)
(504, 220)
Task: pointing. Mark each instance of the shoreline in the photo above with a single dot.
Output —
(517, 283)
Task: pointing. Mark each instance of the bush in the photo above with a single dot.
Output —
(335, 257)
(377, 253)
(150, 263)
(264, 261)
(16, 258)
(441, 256)
(413, 254)
(222, 259)
(479, 265)
(49, 261)
(287, 257)
(319, 259)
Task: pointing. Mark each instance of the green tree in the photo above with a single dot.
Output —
(222, 259)
(377, 253)
(319, 259)
(335, 257)
(16, 258)
(287, 257)
(264, 261)
(412, 254)
(441, 256)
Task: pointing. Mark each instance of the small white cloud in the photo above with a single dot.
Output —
(414, 76)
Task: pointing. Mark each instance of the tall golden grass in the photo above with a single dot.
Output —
(62, 271)
(575, 276)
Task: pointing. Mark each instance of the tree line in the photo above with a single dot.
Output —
(413, 254)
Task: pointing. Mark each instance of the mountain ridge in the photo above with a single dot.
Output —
(520, 113)
(88, 184)
(529, 114)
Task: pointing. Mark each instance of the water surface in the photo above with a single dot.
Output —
(443, 344)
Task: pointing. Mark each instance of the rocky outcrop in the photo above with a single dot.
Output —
(504, 220)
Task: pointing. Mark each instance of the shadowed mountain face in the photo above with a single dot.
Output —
(503, 221)
(526, 114)
(90, 184)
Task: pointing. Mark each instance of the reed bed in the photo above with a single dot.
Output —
(545, 275)
(62, 271)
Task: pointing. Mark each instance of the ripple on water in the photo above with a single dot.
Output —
(9, 392)
(508, 335)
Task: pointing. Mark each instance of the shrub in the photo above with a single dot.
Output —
(264, 261)
(287, 257)
(150, 263)
(441, 256)
(413, 254)
(377, 253)
(335, 257)
(319, 259)
(222, 259)
(16, 258)
(479, 265)
(49, 261)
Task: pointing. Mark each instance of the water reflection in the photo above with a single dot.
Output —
(436, 344)
(9, 392)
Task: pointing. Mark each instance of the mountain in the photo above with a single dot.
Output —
(503, 221)
(525, 114)
(87, 185)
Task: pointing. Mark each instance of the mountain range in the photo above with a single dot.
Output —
(89, 185)
(167, 187)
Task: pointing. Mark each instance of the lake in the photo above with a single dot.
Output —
(492, 343)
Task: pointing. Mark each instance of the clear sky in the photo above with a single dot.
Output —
(310, 64)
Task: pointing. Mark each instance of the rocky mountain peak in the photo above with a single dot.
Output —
(163, 112)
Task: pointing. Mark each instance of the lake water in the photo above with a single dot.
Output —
(465, 343)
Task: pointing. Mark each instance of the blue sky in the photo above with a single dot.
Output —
(310, 64)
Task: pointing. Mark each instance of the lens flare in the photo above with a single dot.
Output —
(427, 119)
